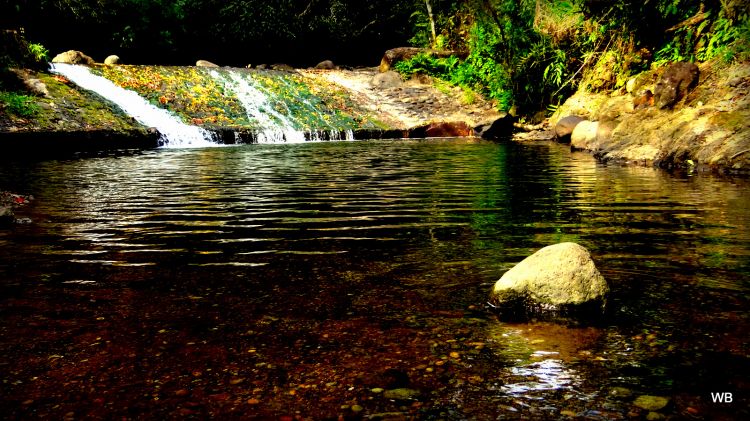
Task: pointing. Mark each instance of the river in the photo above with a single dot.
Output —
(350, 279)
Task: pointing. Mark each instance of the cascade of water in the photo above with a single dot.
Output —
(332, 133)
(174, 133)
(274, 127)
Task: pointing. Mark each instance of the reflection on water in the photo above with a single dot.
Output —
(283, 280)
(541, 376)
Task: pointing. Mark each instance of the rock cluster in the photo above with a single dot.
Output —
(679, 116)
(8, 203)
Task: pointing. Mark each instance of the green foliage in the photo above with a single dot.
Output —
(18, 104)
(423, 63)
(38, 52)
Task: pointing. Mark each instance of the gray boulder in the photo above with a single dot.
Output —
(73, 57)
(556, 278)
(564, 127)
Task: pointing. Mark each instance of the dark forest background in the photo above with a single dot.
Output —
(529, 54)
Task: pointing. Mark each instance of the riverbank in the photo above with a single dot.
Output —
(708, 130)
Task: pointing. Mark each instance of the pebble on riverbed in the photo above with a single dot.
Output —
(651, 403)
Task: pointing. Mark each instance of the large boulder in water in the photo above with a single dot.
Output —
(557, 278)
(73, 57)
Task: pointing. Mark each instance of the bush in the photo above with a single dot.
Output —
(18, 104)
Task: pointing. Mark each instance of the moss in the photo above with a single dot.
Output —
(68, 108)
(733, 120)
(201, 98)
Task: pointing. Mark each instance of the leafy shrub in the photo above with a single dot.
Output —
(38, 52)
(20, 105)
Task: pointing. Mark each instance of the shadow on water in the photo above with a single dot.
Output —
(350, 279)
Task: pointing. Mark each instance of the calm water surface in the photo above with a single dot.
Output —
(313, 280)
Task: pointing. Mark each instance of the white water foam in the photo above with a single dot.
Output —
(274, 127)
(174, 133)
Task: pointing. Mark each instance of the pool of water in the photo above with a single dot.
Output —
(350, 279)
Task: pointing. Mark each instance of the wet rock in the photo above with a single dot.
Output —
(620, 392)
(112, 59)
(675, 83)
(401, 394)
(501, 128)
(556, 278)
(564, 127)
(387, 80)
(6, 216)
(205, 63)
(73, 57)
(651, 403)
(443, 129)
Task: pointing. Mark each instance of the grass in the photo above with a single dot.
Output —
(19, 105)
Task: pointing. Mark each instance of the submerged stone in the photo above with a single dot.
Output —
(402, 394)
(556, 278)
(651, 403)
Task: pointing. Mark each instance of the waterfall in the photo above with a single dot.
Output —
(273, 126)
(174, 133)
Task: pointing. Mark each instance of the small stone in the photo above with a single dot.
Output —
(182, 392)
(655, 416)
(377, 390)
(401, 394)
(236, 380)
(356, 408)
(620, 392)
(253, 401)
(568, 413)
(651, 403)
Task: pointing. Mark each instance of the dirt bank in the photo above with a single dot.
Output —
(708, 130)
(413, 103)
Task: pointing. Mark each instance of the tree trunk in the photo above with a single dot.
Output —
(432, 23)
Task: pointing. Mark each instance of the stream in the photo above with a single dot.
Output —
(349, 280)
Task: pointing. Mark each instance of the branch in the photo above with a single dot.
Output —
(698, 18)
